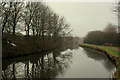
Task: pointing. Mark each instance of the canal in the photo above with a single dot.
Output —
(59, 63)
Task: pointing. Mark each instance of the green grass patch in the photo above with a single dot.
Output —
(111, 50)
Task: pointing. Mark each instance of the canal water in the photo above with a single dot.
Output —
(60, 63)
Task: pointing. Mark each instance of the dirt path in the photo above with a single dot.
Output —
(116, 49)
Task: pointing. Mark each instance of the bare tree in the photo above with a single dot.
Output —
(37, 17)
(6, 15)
(16, 13)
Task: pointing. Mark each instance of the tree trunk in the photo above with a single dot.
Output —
(28, 27)
(43, 30)
(33, 32)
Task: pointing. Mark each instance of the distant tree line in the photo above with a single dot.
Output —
(109, 36)
(32, 19)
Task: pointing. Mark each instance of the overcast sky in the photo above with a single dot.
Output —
(85, 16)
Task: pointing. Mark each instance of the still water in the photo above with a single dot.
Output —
(59, 63)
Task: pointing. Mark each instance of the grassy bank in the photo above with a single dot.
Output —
(21, 45)
(15, 46)
(27, 48)
(110, 51)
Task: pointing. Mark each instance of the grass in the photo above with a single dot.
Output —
(111, 50)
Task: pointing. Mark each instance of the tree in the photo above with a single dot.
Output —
(110, 28)
(116, 10)
(16, 14)
(29, 9)
(6, 16)
(11, 15)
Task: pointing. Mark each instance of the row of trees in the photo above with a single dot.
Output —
(32, 18)
(106, 37)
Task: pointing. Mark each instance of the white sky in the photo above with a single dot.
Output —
(85, 16)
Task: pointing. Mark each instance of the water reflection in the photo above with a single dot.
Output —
(44, 65)
(97, 56)
(64, 62)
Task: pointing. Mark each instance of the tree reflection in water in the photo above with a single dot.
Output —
(45, 65)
